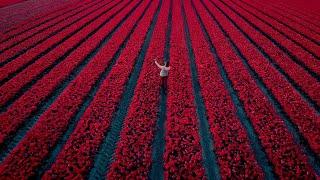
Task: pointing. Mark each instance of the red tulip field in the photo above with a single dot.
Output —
(4, 3)
(81, 98)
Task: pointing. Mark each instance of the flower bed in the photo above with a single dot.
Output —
(235, 157)
(41, 18)
(302, 11)
(86, 102)
(302, 57)
(297, 109)
(84, 142)
(43, 30)
(18, 111)
(37, 45)
(307, 29)
(51, 125)
(306, 82)
(305, 43)
(134, 148)
(183, 153)
(40, 65)
(9, 2)
(272, 132)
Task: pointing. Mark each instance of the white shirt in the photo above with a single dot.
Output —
(164, 71)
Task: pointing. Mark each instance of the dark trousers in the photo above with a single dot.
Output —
(164, 82)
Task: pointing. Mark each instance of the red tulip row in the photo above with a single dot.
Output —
(303, 57)
(306, 118)
(76, 157)
(134, 146)
(301, 9)
(28, 155)
(273, 134)
(28, 102)
(309, 84)
(60, 22)
(310, 23)
(42, 18)
(300, 40)
(29, 73)
(301, 25)
(9, 2)
(305, 17)
(86, 16)
(12, 16)
(183, 153)
(230, 140)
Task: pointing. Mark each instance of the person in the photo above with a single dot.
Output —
(164, 73)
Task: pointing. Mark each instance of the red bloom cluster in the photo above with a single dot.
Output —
(9, 2)
(57, 52)
(231, 143)
(76, 157)
(297, 109)
(303, 57)
(62, 22)
(301, 13)
(134, 146)
(42, 18)
(278, 16)
(51, 125)
(26, 104)
(29, 73)
(296, 38)
(271, 130)
(35, 146)
(272, 89)
(182, 157)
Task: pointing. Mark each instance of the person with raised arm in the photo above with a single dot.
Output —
(163, 73)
